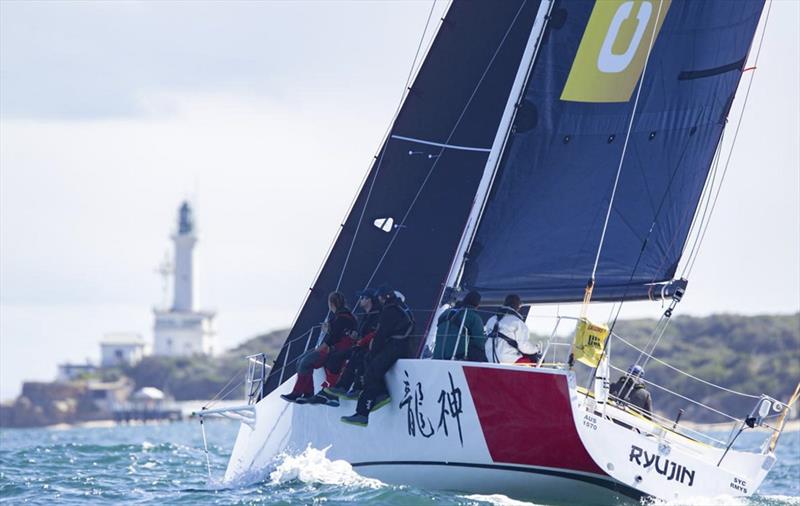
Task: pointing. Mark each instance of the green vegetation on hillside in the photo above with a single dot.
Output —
(201, 377)
(749, 354)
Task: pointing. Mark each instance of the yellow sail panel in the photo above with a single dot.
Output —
(613, 50)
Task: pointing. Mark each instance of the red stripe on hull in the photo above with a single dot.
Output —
(526, 418)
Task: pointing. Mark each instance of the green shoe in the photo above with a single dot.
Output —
(380, 402)
(357, 420)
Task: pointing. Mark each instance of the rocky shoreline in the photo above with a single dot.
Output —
(48, 403)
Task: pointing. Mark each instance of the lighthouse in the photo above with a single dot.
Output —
(182, 330)
(185, 240)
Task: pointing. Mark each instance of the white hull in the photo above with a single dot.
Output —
(484, 428)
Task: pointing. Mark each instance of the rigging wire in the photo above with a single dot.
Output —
(705, 217)
(664, 320)
(467, 239)
(385, 143)
(618, 305)
(660, 328)
(655, 337)
(702, 204)
(680, 371)
(627, 138)
(205, 448)
(590, 286)
(688, 399)
(411, 73)
(446, 142)
(702, 233)
(217, 396)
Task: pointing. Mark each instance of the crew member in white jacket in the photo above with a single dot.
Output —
(509, 340)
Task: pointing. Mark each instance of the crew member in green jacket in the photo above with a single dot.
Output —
(459, 332)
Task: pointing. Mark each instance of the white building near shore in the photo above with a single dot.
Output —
(182, 330)
(121, 349)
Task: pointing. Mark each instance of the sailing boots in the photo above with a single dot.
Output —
(298, 398)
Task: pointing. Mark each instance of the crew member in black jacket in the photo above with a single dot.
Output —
(630, 389)
(351, 382)
(391, 342)
(338, 328)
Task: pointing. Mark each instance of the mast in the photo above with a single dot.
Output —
(500, 140)
(439, 142)
(493, 162)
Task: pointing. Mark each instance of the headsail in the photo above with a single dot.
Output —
(406, 222)
(540, 230)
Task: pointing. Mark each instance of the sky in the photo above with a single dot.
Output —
(266, 115)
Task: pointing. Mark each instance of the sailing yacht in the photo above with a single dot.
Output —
(558, 150)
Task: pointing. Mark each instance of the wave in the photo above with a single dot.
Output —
(497, 500)
(726, 500)
(775, 500)
(313, 466)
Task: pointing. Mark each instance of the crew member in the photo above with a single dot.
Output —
(459, 332)
(390, 343)
(508, 338)
(631, 390)
(340, 324)
(351, 382)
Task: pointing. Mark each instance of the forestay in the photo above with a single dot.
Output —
(405, 224)
(541, 228)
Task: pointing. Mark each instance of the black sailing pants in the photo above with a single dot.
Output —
(375, 374)
(352, 375)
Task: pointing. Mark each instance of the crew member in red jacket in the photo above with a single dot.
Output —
(341, 323)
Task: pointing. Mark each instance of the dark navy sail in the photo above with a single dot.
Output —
(417, 196)
(542, 225)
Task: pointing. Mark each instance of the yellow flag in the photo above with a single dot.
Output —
(589, 341)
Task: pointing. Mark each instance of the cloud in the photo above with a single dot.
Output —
(95, 60)
(86, 207)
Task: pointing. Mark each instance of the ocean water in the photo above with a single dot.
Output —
(165, 464)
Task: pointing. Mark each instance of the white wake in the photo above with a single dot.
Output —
(498, 500)
(726, 500)
(313, 466)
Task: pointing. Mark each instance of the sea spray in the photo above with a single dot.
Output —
(498, 500)
(313, 466)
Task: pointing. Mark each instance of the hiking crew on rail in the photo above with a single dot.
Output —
(351, 382)
(357, 355)
(391, 342)
(331, 354)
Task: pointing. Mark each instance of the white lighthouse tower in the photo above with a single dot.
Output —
(181, 330)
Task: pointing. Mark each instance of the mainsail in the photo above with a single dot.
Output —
(408, 218)
(544, 217)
